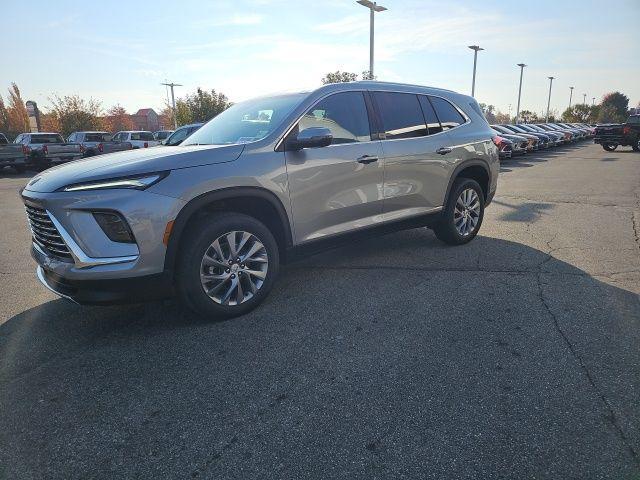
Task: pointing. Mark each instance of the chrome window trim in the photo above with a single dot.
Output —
(81, 259)
(460, 111)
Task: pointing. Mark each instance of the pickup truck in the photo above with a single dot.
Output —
(611, 135)
(46, 149)
(97, 143)
(137, 138)
(12, 155)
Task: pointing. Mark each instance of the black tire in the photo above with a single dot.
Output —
(445, 229)
(636, 146)
(609, 147)
(197, 241)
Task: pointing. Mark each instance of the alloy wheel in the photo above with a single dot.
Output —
(234, 268)
(466, 213)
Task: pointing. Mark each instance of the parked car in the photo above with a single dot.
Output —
(532, 140)
(548, 140)
(568, 136)
(161, 135)
(505, 146)
(518, 144)
(12, 155)
(137, 138)
(557, 138)
(542, 141)
(177, 137)
(46, 149)
(97, 143)
(613, 134)
(211, 218)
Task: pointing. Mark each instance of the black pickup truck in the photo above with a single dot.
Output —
(613, 134)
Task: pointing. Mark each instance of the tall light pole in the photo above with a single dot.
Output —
(521, 65)
(570, 96)
(475, 49)
(549, 101)
(584, 98)
(593, 101)
(373, 7)
(173, 101)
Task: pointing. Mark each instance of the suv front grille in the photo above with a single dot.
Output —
(45, 233)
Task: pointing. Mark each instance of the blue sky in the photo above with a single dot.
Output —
(120, 52)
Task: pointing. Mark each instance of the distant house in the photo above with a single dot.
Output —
(146, 119)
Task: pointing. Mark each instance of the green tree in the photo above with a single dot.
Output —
(339, 77)
(75, 114)
(487, 111)
(502, 117)
(527, 116)
(619, 104)
(4, 116)
(608, 114)
(183, 113)
(203, 105)
(580, 113)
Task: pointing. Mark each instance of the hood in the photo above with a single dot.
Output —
(132, 162)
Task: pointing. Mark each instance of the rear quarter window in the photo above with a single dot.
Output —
(449, 115)
(143, 136)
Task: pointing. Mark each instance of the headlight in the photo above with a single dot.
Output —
(139, 182)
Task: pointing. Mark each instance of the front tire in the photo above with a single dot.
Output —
(609, 147)
(227, 265)
(636, 146)
(463, 213)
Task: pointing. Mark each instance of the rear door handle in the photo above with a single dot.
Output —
(444, 150)
(367, 159)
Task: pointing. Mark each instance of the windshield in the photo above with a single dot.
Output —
(246, 121)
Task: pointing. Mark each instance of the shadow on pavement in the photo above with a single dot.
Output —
(392, 357)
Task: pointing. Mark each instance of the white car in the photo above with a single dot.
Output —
(137, 138)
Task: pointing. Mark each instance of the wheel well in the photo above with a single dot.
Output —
(479, 174)
(257, 207)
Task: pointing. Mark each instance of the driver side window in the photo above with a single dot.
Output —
(344, 114)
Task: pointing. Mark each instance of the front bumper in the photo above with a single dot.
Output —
(108, 292)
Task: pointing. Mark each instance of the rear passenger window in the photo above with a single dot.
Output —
(345, 114)
(447, 113)
(433, 124)
(401, 115)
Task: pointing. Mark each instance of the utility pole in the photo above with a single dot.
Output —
(475, 49)
(173, 101)
(570, 96)
(593, 101)
(521, 65)
(373, 7)
(584, 98)
(549, 101)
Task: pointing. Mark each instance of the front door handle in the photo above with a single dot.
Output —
(444, 150)
(367, 159)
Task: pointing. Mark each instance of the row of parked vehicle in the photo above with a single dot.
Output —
(41, 150)
(524, 138)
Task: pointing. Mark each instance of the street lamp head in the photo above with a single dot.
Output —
(476, 48)
(551, 78)
(571, 88)
(521, 65)
(372, 5)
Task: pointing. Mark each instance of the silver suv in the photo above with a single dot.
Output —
(212, 219)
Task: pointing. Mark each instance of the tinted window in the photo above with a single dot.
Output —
(144, 136)
(401, 115)
(634, 120)
(46, 138)
(96, 137)
(433, 124)
(447, 113)
(345, 114)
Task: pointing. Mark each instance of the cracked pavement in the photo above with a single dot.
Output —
(516, 356)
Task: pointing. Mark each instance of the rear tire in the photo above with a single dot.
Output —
(636, 146)
(609, 147)
(455, 226)
(219, 281)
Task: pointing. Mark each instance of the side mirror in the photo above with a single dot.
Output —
(311, 137)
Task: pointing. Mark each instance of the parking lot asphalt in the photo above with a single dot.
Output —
(515, 356)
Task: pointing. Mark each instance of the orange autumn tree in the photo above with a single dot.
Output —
(117, 119)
